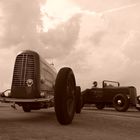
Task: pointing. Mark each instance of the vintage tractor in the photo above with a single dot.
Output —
(37, 85)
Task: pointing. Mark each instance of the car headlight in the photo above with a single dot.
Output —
(128, 96)
(29, 82)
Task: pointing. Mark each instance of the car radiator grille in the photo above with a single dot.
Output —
(24, 69)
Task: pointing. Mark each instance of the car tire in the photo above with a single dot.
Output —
(121, 102)
(78, 100)
(64, 96)
(100, 106)
(26, 108)
(138, 108)
(138, 101)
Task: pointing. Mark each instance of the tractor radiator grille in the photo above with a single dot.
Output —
(24, 69)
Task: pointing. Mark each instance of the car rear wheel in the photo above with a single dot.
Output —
(78, 99)
(65, 91)
(121, 102)
(100, 105)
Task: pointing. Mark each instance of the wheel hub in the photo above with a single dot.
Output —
(119, 102)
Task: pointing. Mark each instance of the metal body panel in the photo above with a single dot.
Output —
(32, 76)
(16, 100)
(47, 77)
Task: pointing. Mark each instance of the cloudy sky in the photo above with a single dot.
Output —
(98, 39)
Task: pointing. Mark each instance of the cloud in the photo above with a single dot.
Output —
(96, 38)
(20, 21)
(7, 57)
(23, 29)
(131, 46)
(22, 26)
(100, 49)
(103, 6)
(63, 37)
(97, 45)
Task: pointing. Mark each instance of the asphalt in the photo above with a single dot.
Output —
(91, 124)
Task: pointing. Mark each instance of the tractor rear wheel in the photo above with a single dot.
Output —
(138, 108)
(26, 108)
(64, 96)
(100, 105)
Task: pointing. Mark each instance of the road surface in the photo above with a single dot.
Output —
(91, 124)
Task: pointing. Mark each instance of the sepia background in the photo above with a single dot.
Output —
(98, 39)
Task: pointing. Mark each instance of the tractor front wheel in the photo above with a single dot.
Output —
(65, 96)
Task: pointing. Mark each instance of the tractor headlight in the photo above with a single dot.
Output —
(42, 94)
(128, 96)
(29, 82)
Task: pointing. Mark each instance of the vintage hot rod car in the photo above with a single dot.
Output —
(138, 105)
(109, 95)
(36, 85)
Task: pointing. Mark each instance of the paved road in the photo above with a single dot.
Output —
(91, 124)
